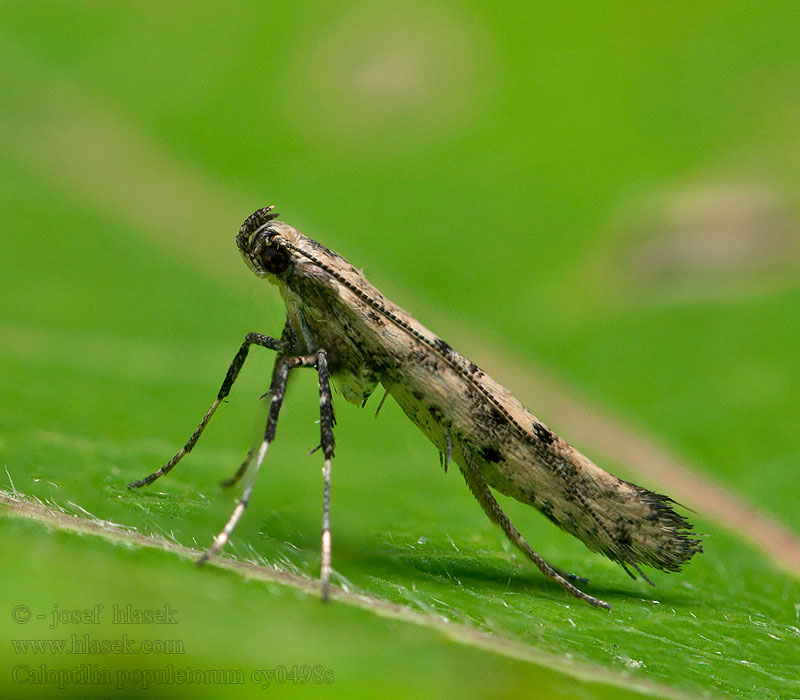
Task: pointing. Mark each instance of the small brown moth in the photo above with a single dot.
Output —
(340, 324)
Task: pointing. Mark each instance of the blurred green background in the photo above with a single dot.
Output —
(606, 192)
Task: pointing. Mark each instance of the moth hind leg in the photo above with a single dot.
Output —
(480, 489)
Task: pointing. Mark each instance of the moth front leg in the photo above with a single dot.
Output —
(264, 341)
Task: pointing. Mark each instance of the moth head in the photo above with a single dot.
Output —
(263, 245)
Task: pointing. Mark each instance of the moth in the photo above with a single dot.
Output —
(339, 324)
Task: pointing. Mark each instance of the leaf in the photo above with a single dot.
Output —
(123, 305)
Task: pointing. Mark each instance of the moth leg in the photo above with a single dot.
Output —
(278, 390)
(380, 405)
(327, 443)
(227, 483)
(480, 489)
(290, 341)
(264, 341)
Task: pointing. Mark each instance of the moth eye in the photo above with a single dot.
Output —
(274, 258)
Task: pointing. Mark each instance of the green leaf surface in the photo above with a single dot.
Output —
(507, 175)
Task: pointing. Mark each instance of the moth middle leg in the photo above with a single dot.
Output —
(480, 489)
